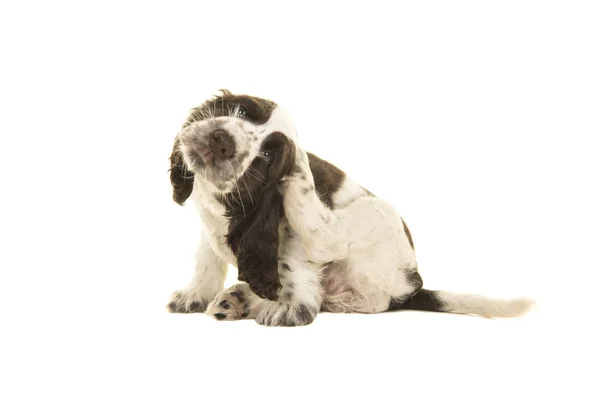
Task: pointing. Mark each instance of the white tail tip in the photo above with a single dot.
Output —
(485, 306)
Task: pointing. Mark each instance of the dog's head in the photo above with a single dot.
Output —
(234, 143)
(240, 147)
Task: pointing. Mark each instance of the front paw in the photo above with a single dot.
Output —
(187, 301)
(232, 304)
(286, 314)
(262, 286)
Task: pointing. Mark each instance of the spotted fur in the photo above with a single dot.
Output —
(303, 235)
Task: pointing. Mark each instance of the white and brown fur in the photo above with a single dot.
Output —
(304, 236)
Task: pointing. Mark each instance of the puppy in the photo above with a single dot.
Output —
(303, 235)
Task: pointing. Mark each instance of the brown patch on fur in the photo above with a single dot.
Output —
(182, 180)
(410, 240)
(257, 110)
(328, 178)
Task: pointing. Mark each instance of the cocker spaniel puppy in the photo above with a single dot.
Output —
(303, 235)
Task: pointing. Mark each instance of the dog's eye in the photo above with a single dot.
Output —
(267, 156)
(241, 111)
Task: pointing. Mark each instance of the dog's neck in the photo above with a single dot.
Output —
(206, 196)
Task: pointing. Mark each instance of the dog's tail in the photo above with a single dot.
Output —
(440, 301)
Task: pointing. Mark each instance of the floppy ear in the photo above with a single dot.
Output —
(182, 180)
(254, 232)
(255, 242)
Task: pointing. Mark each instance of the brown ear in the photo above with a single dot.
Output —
(254, 239)
(254, 218)
(182, 180)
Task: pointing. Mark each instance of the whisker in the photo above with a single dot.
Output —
(228, 202)
(249, 194)
(257, 171)
(234, 199)
(254, 176)
(241, 202)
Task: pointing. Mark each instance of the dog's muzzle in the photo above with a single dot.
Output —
(221, 146)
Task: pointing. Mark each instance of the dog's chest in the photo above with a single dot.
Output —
(215, 227)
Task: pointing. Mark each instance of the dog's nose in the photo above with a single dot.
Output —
(221, 144)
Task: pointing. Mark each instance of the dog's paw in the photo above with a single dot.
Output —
(187, 301)
(232, 304)
(286, 314)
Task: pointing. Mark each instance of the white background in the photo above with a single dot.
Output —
(478, 120)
